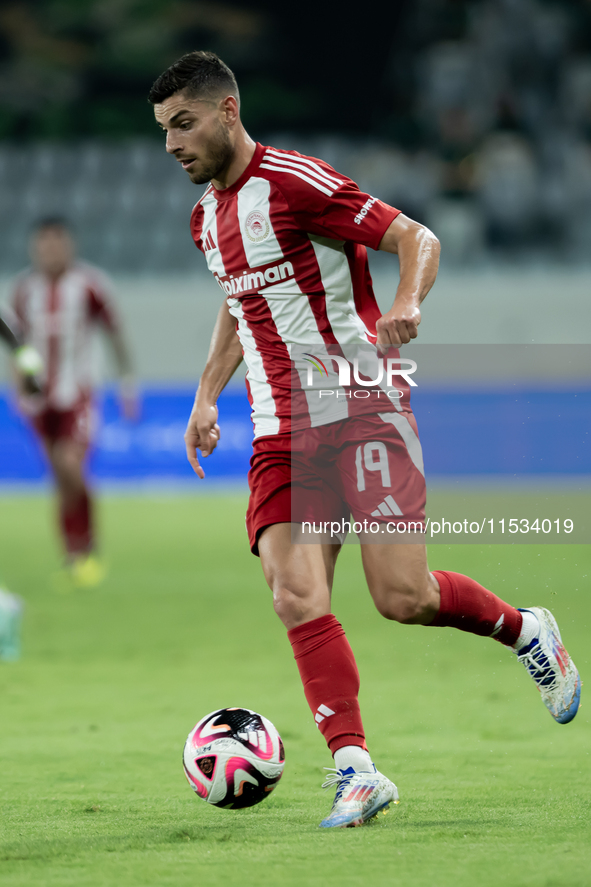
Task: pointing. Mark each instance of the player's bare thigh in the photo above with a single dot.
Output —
(299, 575)
(400, 583)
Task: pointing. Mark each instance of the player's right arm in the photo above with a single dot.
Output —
(8, 335)
(225, 356)
(27, 362)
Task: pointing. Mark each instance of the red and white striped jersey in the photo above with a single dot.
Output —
(57, 317)
(287, 244)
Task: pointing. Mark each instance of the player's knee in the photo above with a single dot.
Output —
(296, 604)
(68, 475)
(288, 603)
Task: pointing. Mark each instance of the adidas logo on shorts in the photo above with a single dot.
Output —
(387, 508)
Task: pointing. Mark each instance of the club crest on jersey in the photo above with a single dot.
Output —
(256, 226)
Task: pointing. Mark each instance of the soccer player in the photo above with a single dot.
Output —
(286, 235)
(58, 303)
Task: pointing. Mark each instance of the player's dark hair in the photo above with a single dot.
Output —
(201, 74)
(51, 222)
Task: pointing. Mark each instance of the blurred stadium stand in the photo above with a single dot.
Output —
(475, 117)
(129, 203)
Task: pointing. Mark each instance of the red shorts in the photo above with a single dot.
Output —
(74, 424)
(370, 467)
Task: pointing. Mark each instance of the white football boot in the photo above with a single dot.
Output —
(359, 796)
(551, 668)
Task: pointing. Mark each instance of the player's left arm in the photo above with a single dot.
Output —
(127, 383)
(334, 207)
(418, 253)
(103, 312)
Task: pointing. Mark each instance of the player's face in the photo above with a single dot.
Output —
(197, 134)
(52, 250)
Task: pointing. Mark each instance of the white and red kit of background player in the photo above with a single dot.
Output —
(57, 317)
(287, 244)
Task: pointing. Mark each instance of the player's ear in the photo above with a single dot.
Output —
(230, 110)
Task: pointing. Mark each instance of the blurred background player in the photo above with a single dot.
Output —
(59, 302)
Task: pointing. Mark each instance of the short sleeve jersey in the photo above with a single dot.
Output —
(57, 317)
(287, 245)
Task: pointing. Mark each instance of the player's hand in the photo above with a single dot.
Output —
(30, 385)
(203, 433)
(129, 400)
(398, 326)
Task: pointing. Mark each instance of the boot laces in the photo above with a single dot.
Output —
(539, 667)
(339, 779)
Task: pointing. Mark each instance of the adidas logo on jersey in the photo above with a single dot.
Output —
(387, 508)
(254, 280)
(209, 242)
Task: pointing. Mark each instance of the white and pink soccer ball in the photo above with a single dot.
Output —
(233, 758)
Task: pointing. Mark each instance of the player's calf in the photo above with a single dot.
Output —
(400, 583)
(412, 607)
(468, 606)
(406, 601)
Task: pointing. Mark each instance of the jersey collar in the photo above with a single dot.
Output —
(233, 189)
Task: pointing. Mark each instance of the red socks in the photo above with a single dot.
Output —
(327, 666)
(331, 680)
(468, 606)
(76, 524)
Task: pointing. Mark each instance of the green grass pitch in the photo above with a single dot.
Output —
(94, 716)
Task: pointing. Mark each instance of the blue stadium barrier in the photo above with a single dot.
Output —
(507, 431)
(475, 432)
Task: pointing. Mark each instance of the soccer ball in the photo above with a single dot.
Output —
(233, 758)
